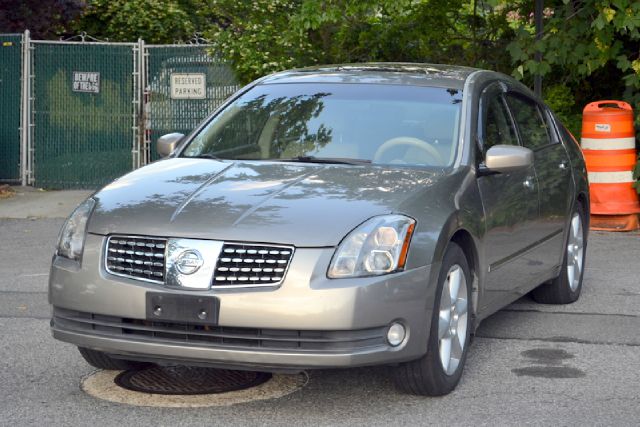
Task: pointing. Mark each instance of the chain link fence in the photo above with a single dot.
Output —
(91, 111)
(10, 96)
(83, 113)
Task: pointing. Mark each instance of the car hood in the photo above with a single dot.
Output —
(306, 205)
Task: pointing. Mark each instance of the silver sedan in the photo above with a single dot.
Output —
(330, 217)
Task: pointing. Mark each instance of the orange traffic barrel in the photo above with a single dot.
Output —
(609, 147)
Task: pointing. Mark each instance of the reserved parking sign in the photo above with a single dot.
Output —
(188, 86)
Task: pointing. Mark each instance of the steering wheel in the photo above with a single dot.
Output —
(410, 142)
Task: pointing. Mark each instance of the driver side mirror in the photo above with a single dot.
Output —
(167, 144)
(507, 158)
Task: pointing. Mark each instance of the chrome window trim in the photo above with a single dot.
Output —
(464, 131)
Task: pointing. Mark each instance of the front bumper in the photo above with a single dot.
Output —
(309, 321)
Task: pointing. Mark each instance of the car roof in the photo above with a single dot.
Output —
(392, 73)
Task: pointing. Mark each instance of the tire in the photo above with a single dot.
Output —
(566, 288)
(428, 376)
(101, 360)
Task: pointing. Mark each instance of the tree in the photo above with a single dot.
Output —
(44, 18)
(155, 21)
(264, 36)
(590, 51)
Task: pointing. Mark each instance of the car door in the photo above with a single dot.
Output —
(510, 202)
(553, 170)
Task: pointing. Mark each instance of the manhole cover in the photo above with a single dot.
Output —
(188, 380)
(102, 385)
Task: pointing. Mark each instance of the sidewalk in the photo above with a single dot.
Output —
(29, 202)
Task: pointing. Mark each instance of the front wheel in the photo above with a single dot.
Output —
(566, 288)
(438, 372)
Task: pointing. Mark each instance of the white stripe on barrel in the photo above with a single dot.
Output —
(611, 177)
(608, 143)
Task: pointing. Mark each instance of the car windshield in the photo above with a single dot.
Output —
(335, 123)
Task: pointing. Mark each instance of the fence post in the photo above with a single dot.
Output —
(25, 109)
(135, 108)
(142, 114)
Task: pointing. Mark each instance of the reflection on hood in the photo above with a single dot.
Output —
(307, 205)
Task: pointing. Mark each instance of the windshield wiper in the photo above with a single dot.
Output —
(204, 156)
(327, 160)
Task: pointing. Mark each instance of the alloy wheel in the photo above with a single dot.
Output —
(452, 320)
(575, 252)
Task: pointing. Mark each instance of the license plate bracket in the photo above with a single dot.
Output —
(196, 309)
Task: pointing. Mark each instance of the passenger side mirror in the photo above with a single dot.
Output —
(506, 158)
(168, 143)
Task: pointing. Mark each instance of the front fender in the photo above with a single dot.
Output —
(441, 212)
(458, 216)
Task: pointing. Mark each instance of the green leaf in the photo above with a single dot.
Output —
(598, 22)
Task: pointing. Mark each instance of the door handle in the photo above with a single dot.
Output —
(529, 184)
(563, 165)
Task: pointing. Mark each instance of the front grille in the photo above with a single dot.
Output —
(251, 265)
(218, 336)
(136, 257)
(238, 265)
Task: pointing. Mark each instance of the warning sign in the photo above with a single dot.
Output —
(188, 86)
(86, 82)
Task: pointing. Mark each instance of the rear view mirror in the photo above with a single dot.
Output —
(506, 158)
(168, 143)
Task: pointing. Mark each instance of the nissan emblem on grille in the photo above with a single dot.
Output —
(189, 262)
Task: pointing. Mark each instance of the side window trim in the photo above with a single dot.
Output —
(482, 113)
(553, 125)
(515, 124)
(512, 120)
(500, 89)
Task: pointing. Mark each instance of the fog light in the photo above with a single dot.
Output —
(396, 334)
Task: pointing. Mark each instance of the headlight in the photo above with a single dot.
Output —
(378, 246)
(71, 241)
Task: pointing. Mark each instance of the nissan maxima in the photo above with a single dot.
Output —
(330, 217)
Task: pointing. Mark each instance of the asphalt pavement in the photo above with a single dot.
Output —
(529, 363)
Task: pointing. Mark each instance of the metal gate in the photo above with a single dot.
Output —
(79, 114)
(83, 112)
(10, 97)
(184, 83)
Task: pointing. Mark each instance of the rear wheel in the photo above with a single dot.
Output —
(439, 370)
(102, 360)
(566, 288)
